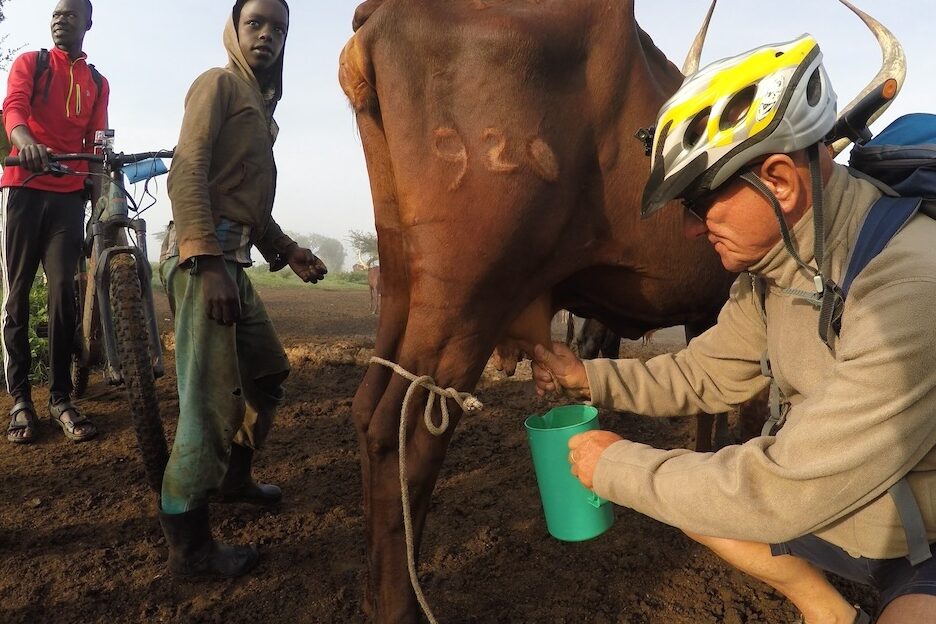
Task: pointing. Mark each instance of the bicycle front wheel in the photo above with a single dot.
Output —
(136, 365)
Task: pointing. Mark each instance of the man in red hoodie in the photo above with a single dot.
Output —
(42, 217)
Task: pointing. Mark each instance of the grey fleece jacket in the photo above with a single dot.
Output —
(863, 415)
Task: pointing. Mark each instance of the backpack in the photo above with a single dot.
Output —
(42, 65)
(901, 162)
(42, 68)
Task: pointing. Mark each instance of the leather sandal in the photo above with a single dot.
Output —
(69, 428)
(23, 418)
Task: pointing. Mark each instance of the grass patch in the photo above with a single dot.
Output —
(38, 331)
(39, 325)
(261, 277)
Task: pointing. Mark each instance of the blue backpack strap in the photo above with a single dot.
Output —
(886, 217)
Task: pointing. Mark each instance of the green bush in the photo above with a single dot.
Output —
(39, 317)
(261, 277)
(354, 277)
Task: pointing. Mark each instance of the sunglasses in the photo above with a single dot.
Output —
(699, 204)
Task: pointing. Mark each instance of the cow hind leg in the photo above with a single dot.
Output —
(389, 596)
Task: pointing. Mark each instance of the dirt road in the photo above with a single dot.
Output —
(80, 541)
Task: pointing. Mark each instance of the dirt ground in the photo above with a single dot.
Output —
(80, 541)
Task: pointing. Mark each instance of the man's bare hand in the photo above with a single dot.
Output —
(219, 289)
(585, 450)
(306, 265)
(33, 155)
(560, 371)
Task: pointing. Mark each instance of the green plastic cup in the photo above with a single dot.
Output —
(573, 512)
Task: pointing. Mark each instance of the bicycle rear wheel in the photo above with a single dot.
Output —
(136, 365)
(80, 374)
(80, 377)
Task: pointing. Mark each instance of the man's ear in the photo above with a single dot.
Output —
(780, 173)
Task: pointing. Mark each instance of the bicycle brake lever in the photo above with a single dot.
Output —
(58, 170)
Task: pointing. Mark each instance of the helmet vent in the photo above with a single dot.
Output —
(737, 108)
(814, 88)
(696, 128)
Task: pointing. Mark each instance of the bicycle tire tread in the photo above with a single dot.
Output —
(137, 366)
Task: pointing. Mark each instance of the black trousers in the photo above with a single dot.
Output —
(47, 227)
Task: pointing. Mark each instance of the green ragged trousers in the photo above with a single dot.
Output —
(230, 384)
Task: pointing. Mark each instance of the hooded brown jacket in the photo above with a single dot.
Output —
(862, 416)
(223, 164)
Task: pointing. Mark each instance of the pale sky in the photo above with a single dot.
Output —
(151, 50)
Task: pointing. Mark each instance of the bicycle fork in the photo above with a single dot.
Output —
(112, 373)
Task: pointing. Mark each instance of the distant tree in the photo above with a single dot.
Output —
(365, 244)
(6, 54)
(330, 250)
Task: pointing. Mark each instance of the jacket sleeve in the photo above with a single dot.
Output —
(17, 105)
(99, 119)
(867, 423)
(274, 245)
(206, 108)
(718, 370)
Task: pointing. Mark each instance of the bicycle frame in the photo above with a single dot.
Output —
(108, 231)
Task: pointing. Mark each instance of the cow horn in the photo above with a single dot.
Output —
(691, 65)
(893, 65)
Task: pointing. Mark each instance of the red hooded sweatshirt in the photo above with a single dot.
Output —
(65, 121)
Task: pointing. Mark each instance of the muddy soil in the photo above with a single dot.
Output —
(80, 541)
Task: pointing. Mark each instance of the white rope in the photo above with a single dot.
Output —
(469, 404)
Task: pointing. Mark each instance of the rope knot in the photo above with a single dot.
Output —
(468, 403)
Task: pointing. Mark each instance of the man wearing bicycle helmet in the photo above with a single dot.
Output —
(55, 102)
(229, 361)
(740, 144)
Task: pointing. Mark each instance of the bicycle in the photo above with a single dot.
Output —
(115, 297)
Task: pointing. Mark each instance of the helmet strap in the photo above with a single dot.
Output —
(818, 222)
(818, 219)
(828, 296)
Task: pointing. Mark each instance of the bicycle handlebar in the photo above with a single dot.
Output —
(122, 159)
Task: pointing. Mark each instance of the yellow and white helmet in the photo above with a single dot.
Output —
(775, 99)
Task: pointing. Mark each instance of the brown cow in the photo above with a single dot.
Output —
(506, 180)
(513, 191)
(373, 282)
(595, 339)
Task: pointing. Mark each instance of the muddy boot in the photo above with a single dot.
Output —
(194, 554)
(239, 486)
